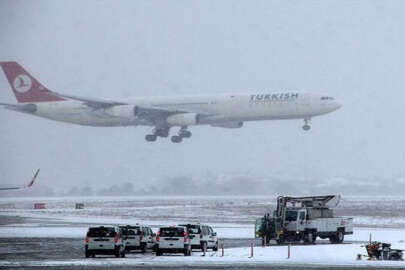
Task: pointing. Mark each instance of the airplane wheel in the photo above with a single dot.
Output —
(176, 139)
(306, 127)
(164, 134)
(185, 134)
(150, 137)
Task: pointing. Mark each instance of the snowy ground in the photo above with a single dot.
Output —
(231, 217)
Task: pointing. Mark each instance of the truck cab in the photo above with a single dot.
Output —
(295, 219)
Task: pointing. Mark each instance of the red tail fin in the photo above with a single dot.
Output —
(25, 87)
(32, 180)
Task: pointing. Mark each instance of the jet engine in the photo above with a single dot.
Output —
(183, 119)
(229, 125)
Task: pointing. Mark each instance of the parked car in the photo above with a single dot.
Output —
(138, 237)
(173, 239)
(202, 236)
(105, 241)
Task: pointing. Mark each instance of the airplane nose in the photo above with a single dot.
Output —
(336, 105)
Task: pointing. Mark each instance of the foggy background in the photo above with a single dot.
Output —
(351, 50)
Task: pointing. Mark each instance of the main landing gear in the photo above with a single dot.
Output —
(306, 125)
(157, 132)
(183, 133)
(164, 133)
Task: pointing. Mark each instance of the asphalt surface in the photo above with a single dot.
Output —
(65, 249)
(29, 249)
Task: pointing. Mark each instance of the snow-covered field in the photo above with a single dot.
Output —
(230, 217)
(367, 211)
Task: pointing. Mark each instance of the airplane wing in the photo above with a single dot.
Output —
(25, 186)
(92, 102)
(153, 114)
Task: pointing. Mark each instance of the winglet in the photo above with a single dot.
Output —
(32, 180)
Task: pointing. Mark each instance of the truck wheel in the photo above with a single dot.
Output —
(332, 239)
(340, 237)
(143, 247)
(123, 254)
(280, 241)
(309, 238)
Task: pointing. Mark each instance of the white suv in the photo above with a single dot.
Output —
(138, 237)
(104, 240)
(202, 236)
(173, 239)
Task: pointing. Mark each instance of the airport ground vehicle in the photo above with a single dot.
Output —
(304, 219)
(138, 237)
(173, 239)
(202, 236)
(105, 241)
(383, 251)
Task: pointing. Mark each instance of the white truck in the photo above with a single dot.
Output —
(304, 219)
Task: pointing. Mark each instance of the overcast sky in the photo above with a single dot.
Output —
(352, 50)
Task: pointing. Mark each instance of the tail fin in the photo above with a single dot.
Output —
(32, 180)
(25, 87)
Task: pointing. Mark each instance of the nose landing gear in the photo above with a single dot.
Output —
(306, 125)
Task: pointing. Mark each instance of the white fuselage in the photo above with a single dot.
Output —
(216, 109)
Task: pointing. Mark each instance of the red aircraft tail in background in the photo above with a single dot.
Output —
(32, 180)
(25, 186)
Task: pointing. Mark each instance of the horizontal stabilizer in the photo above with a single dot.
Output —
(26, 108)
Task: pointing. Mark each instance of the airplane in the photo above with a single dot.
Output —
(25, 186)
(163, 113)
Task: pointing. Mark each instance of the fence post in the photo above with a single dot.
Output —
(289, 251)
(369, 238)
(251, 250)
(223, 252)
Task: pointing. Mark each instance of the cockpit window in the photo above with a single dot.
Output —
(327, 98)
